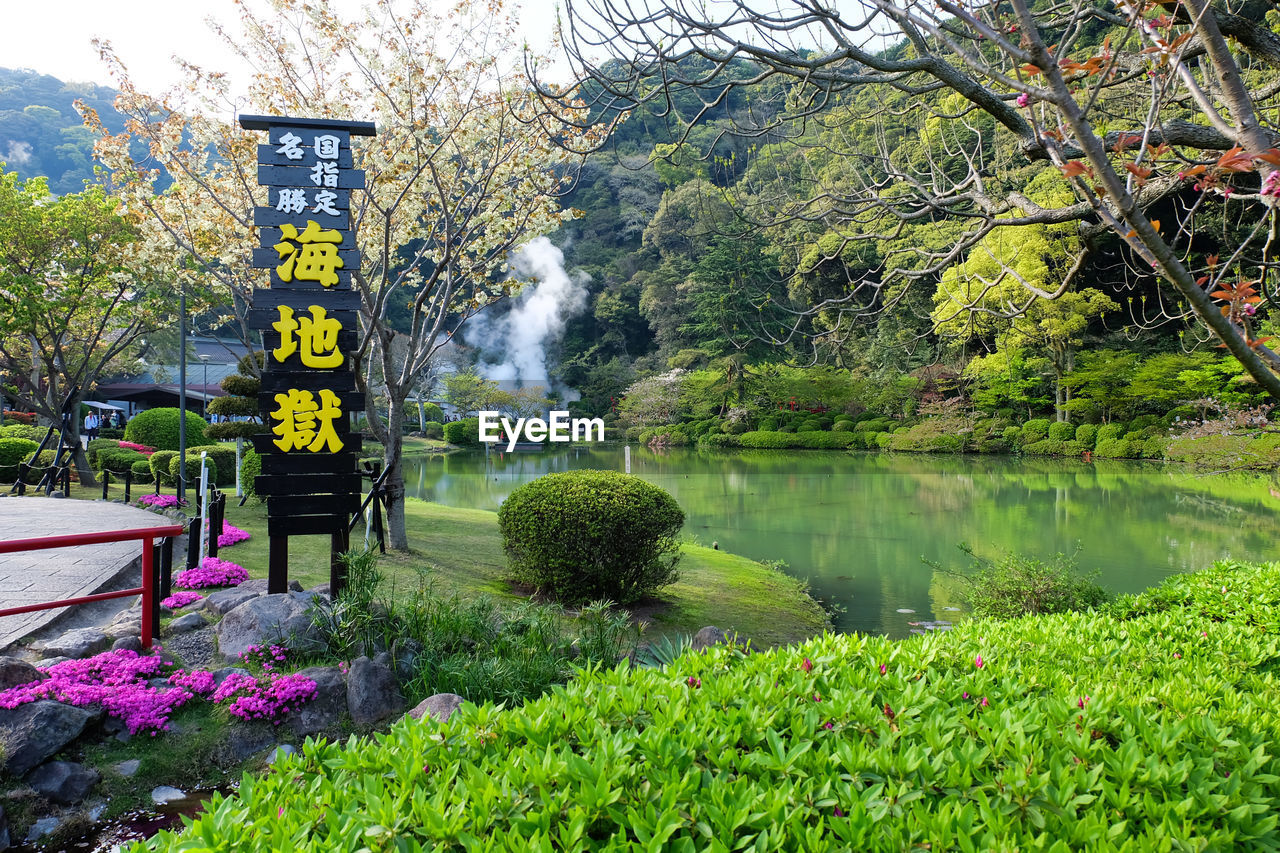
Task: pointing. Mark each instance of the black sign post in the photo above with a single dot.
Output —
(309, 320)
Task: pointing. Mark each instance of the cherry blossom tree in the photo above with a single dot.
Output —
(461, 172)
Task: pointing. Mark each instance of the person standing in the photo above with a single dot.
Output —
(91, 425)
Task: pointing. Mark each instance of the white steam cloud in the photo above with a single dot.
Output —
(19, 153)
(536, 319)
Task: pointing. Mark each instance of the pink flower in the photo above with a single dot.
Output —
(807, 666)
(883, 669)
(839, 813)
(213, 571)
(695, 683)
(1082, 701)
(978, 662)
(1271, 184)
(965, 695)
(180, 599)
(1024, 99)
(984, 702)
(829, 726)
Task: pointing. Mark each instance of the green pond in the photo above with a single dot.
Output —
(860, 526)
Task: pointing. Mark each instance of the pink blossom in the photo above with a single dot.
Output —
(180, 599)
(693, 682)
(232, 535)
(1082, 701)
(978, 662)
(807, 666)
(1024, 99)
(213, 571)
(1271, 184)
(158, 501)
(883, 669)
(984, 702)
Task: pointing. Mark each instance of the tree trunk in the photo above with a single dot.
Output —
(397, 536)
(422, 415)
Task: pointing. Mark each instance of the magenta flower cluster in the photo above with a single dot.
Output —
(199, 682)
(252, 699)
(144, 449)
(231, 535)
(158, 501)
(180, 599)
(115, 680)
(267, 657)
(213, 571)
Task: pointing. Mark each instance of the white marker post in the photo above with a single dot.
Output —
(204, 506)
(239, 462)
(627, 454)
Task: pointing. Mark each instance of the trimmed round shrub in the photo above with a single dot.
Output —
(734, 427)
(193, 470)
(1109, 432)
(883, 440)
(96, 445)
(768, 440)
(158, 428)
(433, 429)
(1062, 431)
(433, 412)
(118, 460)
(235, 406)
(160, 466)
(582, 536)
(223, 457)
(719, 439)
(1087, 434)
(817, 440)
(1036, 429)
(1113, 448)
(464, 433)
(842, 426)
(1155, 447)
(12, 452)
(769, 424)
(1012, 435)
(238, 385)
(250, 467)
(141, 471)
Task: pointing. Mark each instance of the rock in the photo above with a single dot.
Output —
(127, 768)
(160, 684)
(244, 741)
(321, 589)
(440, 706)
(407, 652)
(220, 675)
(33, 733)
(280, 752)
(166, 794)
(78, 643)
(42, 827)
(14, 672)
(708, 637)
(131, 627)
(372, 692)
(186, 624)
(259, 585)
(45, 663)
(96, 812)
(326, 708)
(56, 493)
(63, 782)
(229, 599)
(265, 620)
(128, 644)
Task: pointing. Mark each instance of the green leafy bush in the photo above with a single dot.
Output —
(96, 444)
(1227, 451)
(27, 431)
(158, 428)
(1111, 431)
(160, 461)
(1152, 731)
(250, 468)
(883, 440)
(1059, 431)
(591, 535)
(1016, 586)
(1087, 434)
(433, 429)
(933, 435)
(1053, 447)
(141, 471)
(1036, 429)
(824, 440)
(118, 459)
(432, 412)
(464, 433)
(193, 470)
(14, 451)
(842, 426)
(223, 457)
(1113, 448)
(1012, 435)
(1154, 447)
(767, 440)
(719, 439)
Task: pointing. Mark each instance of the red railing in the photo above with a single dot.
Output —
(148, 535)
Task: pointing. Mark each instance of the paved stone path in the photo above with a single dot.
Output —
(30, 577)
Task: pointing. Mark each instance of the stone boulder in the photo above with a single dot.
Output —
(372, 691)
(128, 644)
(124, 628)
(220, 675)
(63, 782)
(78, 643)
(284, 618)
(33, 733)
(14, 672)
(228, 599)
(325, 710)
(440, 707)
(708, 637)
(185, 624)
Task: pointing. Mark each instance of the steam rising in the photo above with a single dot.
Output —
(536, 319)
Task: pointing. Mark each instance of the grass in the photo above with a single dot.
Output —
(463, 550)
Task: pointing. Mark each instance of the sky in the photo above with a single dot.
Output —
(56, 34)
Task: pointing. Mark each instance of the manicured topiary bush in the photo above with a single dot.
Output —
(223, 457)
(767, 440)
(96, 444)
(1059, 431)
(141, 471)
(1087, 434)
(719, 439)
(842, 426)
(14, 451)
(158, 428)
(118, 460)
(1036, 429)
(587, 535)
(250, 468)
(160, 466)
(433, 429)
(1113, 448)
(824, 440)
(464, 433)
(1108, 432)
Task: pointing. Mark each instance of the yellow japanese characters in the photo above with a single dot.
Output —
(309, 256)
(303, 424)
(316, 337)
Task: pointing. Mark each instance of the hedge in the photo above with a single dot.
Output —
(158, 428)
(1059, 431)
(587, 535)
(1036, 429)
(160, 466)
(463, 433)
(14, 451)
(434, 429)
(1150, 725)
(118, 460)
(223, 457)
(1087, 434)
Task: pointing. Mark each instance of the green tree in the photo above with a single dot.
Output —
(77, 298)
(1102, 383)
(470, 393)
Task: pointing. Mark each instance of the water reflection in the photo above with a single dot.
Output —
(857, 525)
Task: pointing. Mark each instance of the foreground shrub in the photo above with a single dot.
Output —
(159, 462)
(193, 469)
(223, 462)
(12, 452)
(1086, 434)
(158, 428)
(118, 460)
(433, 429)
(767, 440)
(934, 435)
(1075, 731)
(1016, 586)
(141, 470)
(463, 433)
(1059, 431)
(588, 535)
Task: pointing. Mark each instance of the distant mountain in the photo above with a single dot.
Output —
(41, 132)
